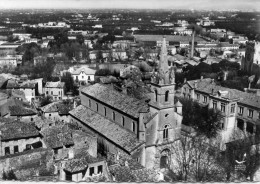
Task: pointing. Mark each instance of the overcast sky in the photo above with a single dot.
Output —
(186, 4)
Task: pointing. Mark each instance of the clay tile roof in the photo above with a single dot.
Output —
(76, 165)
(17, 130)
(57, 136)
(116, 99)
(60, 107)
(21, 111)
(206, 86)
(55, 84)
(86, 70)
(107, 128)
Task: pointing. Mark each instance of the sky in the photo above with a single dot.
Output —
(139, 4)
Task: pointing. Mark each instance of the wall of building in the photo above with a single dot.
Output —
(55, 93)
(21, 143)
(29, 93)
(83, 77)
(54, 116)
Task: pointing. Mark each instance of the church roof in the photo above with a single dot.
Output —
(116, 99)
(112, 131)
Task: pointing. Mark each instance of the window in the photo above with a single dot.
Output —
(258, 115)
(59, 92)
(31, 119)
(91, 171)
(68, 176)
(205, 99)
(16, 150)
(97, 106)
(51, 92)
(82, 77)
(214, 104)
(133, 126)
(250, 113)
(156, 94)
(240, 124)
(123, 120)
(88, 77)
(105, 111)
(56, 151)
(223, 107)
(241, 110)
(89, 103)
(232, 110)
(47, 92)
(100, 169)
(49, 114)
(165, 132)
(198, 96)
(7, 150)
(250, 127)
(113, 116)
(166, 96)
(27, 147)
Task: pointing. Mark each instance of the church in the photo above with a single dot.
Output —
(127, 126)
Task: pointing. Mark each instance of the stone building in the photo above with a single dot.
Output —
(240, 110)
(251, 62)
(130, 126)
(18, 136)
(55, 89)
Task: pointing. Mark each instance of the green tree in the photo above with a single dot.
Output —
(46, 100)
(195, 158)
(99, 56)
(204, 120)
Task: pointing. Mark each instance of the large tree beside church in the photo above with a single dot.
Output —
(204, 120)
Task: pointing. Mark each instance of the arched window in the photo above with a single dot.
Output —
(166, 132)
(166, 96)
(133, 126)
(105, 111)
(113, 116)
(123, 120)
(156, 94)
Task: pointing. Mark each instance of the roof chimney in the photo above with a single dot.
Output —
(185, 80)
(201, 77)
(195, 84)
(71, 154)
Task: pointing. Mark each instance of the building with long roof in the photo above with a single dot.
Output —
(131, 127)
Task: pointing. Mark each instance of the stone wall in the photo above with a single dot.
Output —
(28, 164)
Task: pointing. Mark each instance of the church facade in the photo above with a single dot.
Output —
(132, 127)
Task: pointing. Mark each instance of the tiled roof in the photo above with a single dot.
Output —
(60, 107)
(134, 172)
(86, 70)
(206, 86)
(80, 161)
(57, 136)
(21, 111)
(170, 38)
(17, 130)
(107, 128)
(55, 84)
(116, 99)
(13, 84)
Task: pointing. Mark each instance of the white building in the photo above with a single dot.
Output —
(83, 74)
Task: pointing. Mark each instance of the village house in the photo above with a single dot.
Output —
(148, 128)
(22, 113)
(55, 89)
(240, 110)
(57, 111)
(83, 75)
(17, 136)
(80, 165)
(28, 87)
